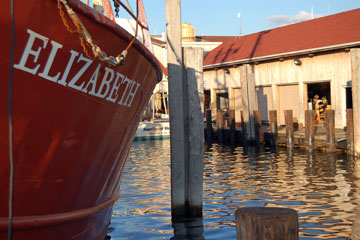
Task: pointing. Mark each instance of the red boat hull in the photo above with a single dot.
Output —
(73, 120)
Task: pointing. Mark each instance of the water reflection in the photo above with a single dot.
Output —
(191, 229)
(323, 188)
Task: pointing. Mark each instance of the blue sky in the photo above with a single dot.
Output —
(220, 18)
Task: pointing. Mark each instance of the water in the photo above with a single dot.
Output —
(322, 188)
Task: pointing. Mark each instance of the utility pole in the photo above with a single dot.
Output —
(239, 16)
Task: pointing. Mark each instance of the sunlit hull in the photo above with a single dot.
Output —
(73, 120)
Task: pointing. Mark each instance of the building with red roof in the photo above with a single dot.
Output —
(288, 66)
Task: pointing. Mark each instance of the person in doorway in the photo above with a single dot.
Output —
(317, 103)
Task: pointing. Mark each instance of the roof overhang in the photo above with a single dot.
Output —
(282, 55)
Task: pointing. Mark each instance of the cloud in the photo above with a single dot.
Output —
(280, 20)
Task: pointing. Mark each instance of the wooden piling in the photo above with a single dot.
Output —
(330, 130)
(289, 125)
(243, 128)
(209, 128)
(193, 61)
(273, 127)
(309, 129)
(253, 223)
(350, 132)
(232, 126)
(176, 107)
(355, 82)
(249, 100)
(220, 124)
(259, 134)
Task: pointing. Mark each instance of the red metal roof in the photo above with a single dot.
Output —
(321, 32)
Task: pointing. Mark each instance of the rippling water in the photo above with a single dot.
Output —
(322, 188)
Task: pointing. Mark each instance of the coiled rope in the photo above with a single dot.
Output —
(85, 36)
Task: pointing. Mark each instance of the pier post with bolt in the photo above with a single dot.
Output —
(350, 132)
(273, 127)
(355, 82)
(289, 126)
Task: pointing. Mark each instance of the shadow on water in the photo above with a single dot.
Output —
(323, 188)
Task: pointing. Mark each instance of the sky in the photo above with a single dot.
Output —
(220, 18)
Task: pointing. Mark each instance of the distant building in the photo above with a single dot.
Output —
(208, 43)
(291, 64)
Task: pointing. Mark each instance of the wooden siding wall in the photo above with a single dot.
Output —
(334, 67)
(161, 54)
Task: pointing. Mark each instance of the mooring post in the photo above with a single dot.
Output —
(253, 223)
(186, 118)
(355, 83)
(249, 100)
(273, 127)
(232, 126)
(243, 128)
(220, 123)
(176, 107)
(350, 132)
(289, 125)
(258, 127)
(330, 130)
(193, 61)
(309, 129)
(209, 128)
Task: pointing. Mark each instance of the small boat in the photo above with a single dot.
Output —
(154, 129)
(158, 125)
(68, 115)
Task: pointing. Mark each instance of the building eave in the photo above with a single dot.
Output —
(282, 55)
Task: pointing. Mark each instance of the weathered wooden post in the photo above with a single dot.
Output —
(350, 132)
(249, 101)
(259, 134)
(243, 128)
(176, 106)
(273, 127)
(289, 125)
(193, 61)
(220, 124)
(309, 129)
(355, 82)
(330, 130)
(232, 126)
(209, 128)
(253, 223)
(186, 119)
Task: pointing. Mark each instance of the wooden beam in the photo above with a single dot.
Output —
(193, 61)
(289, 124)
(350, 132)
(355, 75)
(330, 130)
(176, 107)
(273, 127)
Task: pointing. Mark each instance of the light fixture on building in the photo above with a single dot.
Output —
(297, 61)
(226, 70)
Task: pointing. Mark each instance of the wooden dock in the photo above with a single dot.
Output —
(324, 136)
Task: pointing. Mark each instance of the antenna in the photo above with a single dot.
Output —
(239, 16)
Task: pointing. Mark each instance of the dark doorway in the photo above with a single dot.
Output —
(320, 89)
(349, 104)
(207, 99)
(222, 100)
